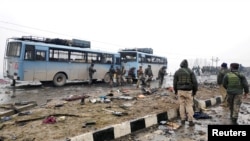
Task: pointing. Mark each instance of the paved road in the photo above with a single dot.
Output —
(158, 133)
(219, 116)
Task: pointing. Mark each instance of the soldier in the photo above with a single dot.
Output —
(185, 87)
(123, 72)
(91, 73)
(131, 75)
(162, 72)
(118, 76)
(236, 85)
(111, 75)
(148, 76)
(224, 70)
(140, 76)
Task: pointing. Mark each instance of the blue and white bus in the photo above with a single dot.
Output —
(30, 58)
(132, 58)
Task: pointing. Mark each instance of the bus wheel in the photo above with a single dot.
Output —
(59, 79)
(106, 78)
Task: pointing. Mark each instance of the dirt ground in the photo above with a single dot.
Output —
(60, 119)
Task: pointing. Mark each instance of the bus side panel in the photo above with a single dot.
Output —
(35, 70)
(101, 70)
(55, 67)
(155, 69)
(78, 71)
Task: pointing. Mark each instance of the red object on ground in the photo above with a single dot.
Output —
(49, 120)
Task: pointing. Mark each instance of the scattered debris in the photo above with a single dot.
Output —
(24, 113)
(85, 124)
(21, 103)
(49, 120)
(116, 113)
(201, 115)
(42, 117)
(75, 97)
(149, 90)
(173, 125)
(5, 118)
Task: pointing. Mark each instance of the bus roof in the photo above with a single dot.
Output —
(56, 41)
(39, 41)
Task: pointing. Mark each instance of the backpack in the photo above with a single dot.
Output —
(184, 80)
(234, 80)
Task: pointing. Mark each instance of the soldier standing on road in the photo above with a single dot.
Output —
(148, 76)
(118, 76)
(162, 72)
(236, 84)
(123, 72)
(131, 75)
(224, 70)
(111, 75)
(140, 77)
(185, 87)
(91, 73)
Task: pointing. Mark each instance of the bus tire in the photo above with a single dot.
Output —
(59, 79)
(106, 78)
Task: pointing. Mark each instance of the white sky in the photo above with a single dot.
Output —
(177, 29)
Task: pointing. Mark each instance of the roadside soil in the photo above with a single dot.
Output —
(65, 119)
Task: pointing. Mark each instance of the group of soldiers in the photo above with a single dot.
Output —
(145, 77)
(117, 76)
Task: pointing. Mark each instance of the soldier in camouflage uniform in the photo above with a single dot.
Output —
(237, 86)
(91, 73)
(112, 72)
(118, 76)
(224, 70)
(162, 72)
(123, 72)
(148, 76)
(140, 77)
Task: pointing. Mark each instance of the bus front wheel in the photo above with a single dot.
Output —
(59, 79)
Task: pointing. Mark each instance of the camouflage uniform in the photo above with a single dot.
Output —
(236, 84)
(91, 73)
(140, 76)
(123, 72)
(161, 74)
(131, 75)
(118, 76)
(224, 70)
(111, 75)
(185, 86)
(148, 76)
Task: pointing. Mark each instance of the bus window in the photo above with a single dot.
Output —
(58, 55)
(40, 55)
(148, 59)
(77, 56)
(29, 52)
(117, 61)
(128, 56)
(107, 58)
(92, 58)
(141, 58)
(13, 49)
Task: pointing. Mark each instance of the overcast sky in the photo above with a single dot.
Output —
(178, 29)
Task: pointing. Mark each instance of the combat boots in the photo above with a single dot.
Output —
(191, 123)
(183, 122)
